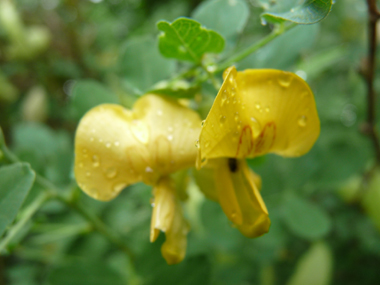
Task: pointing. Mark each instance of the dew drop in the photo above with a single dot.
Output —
(100, 140)
(285, 80)
(233, 216)
(222, 119)
(170, 137)
(267, 109)
(108, 145)
(236, 117)
(159, 112)
(257, 106)
(95, 160)
(80, 164)
(148, 170)
(93, 192)
(111, 172)
(170, 129)
(203, 123)
(116, 143)
(118, 187)
(140, 131)
(88, 173)
(302, 121)
(197, 144)
(91, 139)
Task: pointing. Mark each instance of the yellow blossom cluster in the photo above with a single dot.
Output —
(255, 112)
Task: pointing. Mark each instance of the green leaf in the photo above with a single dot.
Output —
(87, 94)
(85, 273)
(2, 141)
(15, 183)
(305, 219)
(142, 65)
(371, 199)
(185, 39)
(49, 152)
(213, 15)
(314, 267)
(177, 92)
(309, 12)
(153, 268)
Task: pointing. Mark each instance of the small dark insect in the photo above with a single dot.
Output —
(232, 164)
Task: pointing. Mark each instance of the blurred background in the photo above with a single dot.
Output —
(59, 58)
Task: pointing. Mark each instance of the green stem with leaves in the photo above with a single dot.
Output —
(53, 192)
(256, 46)
(25, 216)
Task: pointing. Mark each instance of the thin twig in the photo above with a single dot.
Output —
(370, 129)
(249, 50)
(25, 216)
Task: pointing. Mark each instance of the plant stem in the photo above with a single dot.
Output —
(370, 129)
(246, 52)
(25, 216)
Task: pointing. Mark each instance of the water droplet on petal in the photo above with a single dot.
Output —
(159, 112)
(140, 131)
(170, 129)
(119, 186)
(93, 192)
(257, 106)
(95, 160)
(197, 144)
(236, 117)
(285, 79)
(88, 173)
(222, 119)
(233, 217)
(80, 164)
(91, 139)
(302, 121)
(170, 137)
(148, 170)
(116, 143)
(267, 109)
(111, 172)
(108, 145)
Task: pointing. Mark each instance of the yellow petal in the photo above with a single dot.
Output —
(258, 112)
(167, 217)
(108, 157)
(173, 131)
(240, 198)
(115, 147)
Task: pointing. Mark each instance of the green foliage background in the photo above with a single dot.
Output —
(59, 58)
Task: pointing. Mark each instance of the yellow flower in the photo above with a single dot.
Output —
(255, 112)
(116, 147)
